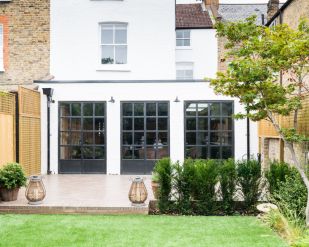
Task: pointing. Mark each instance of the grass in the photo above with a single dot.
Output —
(150, 231)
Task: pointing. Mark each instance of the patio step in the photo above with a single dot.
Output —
(41, 209)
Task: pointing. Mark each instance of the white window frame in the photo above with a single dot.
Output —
(114, 28)
(1, 47)
(185, 68)
(183, 38)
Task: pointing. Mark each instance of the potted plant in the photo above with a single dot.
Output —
(12, 177)
(155, 184)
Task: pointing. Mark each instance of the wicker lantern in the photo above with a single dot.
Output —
(35, 192)
(138, 192)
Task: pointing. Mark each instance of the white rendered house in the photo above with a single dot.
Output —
(129, 88)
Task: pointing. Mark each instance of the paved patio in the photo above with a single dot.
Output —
(82, 194)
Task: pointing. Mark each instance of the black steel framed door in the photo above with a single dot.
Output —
(144, 135)
(82, 132)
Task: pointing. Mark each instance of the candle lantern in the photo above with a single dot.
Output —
(138, 192)
(35, 192)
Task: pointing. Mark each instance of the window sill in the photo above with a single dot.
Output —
(183, 47)
(114, 67)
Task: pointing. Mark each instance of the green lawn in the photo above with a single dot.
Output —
(131, 231)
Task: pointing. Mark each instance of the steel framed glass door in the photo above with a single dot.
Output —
(144, 135)
(82, 132)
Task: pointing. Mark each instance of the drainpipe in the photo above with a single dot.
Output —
(248, 137)
(49, 94)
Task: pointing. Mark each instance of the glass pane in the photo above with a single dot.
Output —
(76, 153)
(127, 109)
(88, 138)
(65, 109)
(163, 138)
(65, 153)
(151, 124)
(227, 152)
(189, 74)
(215, 138)
(121, 54)
(76, 123)
(150, 138)
(226, 138)
(76, 109)
(76, 138)
(127, 152)
(163, 109)
(99, 138)
(186, 42)
(107, 36)
(107, 54)
(88, 152)
(179, 42)
(179, 34)
(139, 138)
(202, 109)
(127, 139)
(99, 153)
(88, 109)
(127, 124)
(215, 124)
(88, 124)
(215, 109)
(202, 138)
(186, 34)
(150, 153)
(121, 36)
(64, 124)
(215, 152)
(180, 74)
(139, 123)
(162, 152)
(227, 109)
(99, 124)
(191, 138)
(139, 109)
(99, 109)
(151, 109)
(191, 123)
(227, 124)
(138, 153)
(162, 124)
(203, 123)
(191, 109)
(196, 152)
(64, 138)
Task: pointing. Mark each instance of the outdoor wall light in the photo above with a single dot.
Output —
(35, 192)
(49, 93)
(112, 100)
(177, 100)
(138, 192)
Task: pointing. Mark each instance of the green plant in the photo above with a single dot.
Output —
(155, 177)
(163, 168)
(228, 182)
(249, 178)
(12, 176)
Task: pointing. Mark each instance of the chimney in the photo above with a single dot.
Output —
(212, 6)
(212, 3)
(272, 8)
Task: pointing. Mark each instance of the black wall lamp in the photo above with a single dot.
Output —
(112, 100)
(177, 100)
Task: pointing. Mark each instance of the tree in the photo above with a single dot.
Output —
(259, 56)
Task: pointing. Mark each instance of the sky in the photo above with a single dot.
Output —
(230, 1)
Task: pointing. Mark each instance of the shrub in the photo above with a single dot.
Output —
(276, 174)
(163, 169)
(12, 176)
(228, 182)
(249, 179)
(291, 197)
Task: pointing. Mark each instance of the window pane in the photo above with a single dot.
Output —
(65, 109)
(99, 109)
(76, 109)
(64, 138)
(138, 153)
(76, 138)
(162, 152)
(127, 139)
(88, 124)
(180, 74)
(139, 109)
(162, 123)
(227, 152)
(139, 138)
(215, 109)
(163, 109)
(179, 42)
(196, 152)
(191, 109)
(203, 124)
(76, 153)
(139, 123)
(76, 124)
(186, 42)
(121, 36)
(215, 152)
(151, 124)
(226, 138)
(150, 138)
(215, 124)
(99, 153)
(189, 74)
(191, 138)
(107, 36)
(127, 124)
(163, 138)
(127, 109)
(186, 34)
(227, 109)
(202, 109)
(99, 138)
(191, 124)
(227, 124)
(202, 138)
(107, 54)
(65, 153)
(88, 138)
(64, 123)
(99, 124)
(179, 34)
(215, 138)
(121, 54)
(151, 109)
(127, 152)
(88, 109)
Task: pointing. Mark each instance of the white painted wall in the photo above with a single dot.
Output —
(75, 53)
(202, 53)
(136, 92)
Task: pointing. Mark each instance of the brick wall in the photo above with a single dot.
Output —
(26, 42)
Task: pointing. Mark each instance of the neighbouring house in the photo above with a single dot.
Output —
(129, 88)
(271, 146)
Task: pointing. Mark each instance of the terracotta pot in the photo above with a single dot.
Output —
(155, 188)
(8, 195)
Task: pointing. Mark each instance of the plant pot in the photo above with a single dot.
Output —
(155, 188)
(8, 195)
